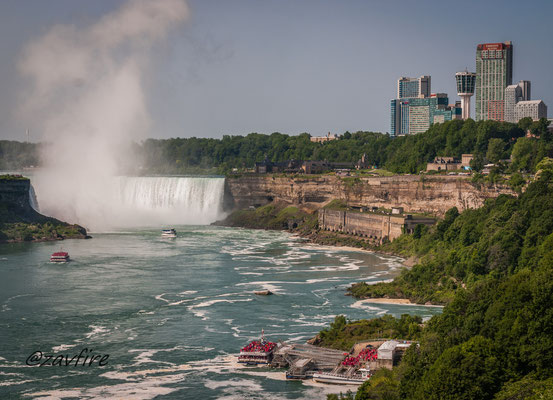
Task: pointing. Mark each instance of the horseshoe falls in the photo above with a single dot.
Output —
(172, 200)
(123, 202)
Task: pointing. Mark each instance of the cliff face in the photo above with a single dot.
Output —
(20, 222)
(14, 198)
(416, 194)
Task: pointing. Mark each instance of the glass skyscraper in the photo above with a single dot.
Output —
(410, 116)
(413, 87)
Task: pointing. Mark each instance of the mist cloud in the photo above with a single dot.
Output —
(86, 95)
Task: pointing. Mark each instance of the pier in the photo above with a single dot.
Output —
(305, 360)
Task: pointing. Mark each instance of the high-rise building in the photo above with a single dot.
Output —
(466, 82)
(399, 111)
(442, 113)
(494, 72)
(395, 120)
(512, 95)
(525, 87)
(404, 117)
(535, 109)
(413, 87)
(407, 89)
(417, 114)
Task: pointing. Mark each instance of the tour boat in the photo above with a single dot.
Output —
(169, 233)
(59, 257)
(342, 379)
(257, 352)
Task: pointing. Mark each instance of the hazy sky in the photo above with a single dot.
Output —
(295, 66)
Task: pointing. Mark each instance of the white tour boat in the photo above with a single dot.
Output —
(169, 233)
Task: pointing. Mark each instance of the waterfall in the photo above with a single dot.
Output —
(32, 199)
(108, 203)
(172, 200)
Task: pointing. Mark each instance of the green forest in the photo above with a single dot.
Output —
(488, 140)
(493, 268)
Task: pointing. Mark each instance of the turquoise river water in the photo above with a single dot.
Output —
(172, 314)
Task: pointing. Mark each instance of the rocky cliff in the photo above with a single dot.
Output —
(20, 222)
(415, 193)
(15, 201)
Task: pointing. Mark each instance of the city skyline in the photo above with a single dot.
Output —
(315, 67)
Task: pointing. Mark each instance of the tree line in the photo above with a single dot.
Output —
(489, 141)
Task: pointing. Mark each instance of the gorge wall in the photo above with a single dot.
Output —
(415, 193)
(15, 198)
(20, 222)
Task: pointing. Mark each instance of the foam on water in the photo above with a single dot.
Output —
(202, 313)
(174, 315)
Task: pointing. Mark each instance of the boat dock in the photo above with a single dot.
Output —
(301, 359)
(305, 361)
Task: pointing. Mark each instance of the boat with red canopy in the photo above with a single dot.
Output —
(59, 257)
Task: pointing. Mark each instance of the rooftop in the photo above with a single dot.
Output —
(529, 102)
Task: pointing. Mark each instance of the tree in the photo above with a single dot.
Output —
(449, 217)
(419, 230)
(477, 163)
(539, 128)
(383, 385)
(523, 154)
(527, 388)
(467, 371)
(516, 182)
(496, 150)
(524, 123)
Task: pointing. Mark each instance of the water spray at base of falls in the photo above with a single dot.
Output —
(138, 202)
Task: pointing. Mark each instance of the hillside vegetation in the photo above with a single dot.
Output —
(276, 216)
(488, 140)
(493, 267)
(343, 334)
(506, 235)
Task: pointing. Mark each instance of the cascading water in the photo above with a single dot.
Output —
(172, 200)
(32, 198)
(120, 202)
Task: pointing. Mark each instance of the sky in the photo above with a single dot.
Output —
(240, 66)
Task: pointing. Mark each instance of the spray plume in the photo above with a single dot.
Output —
(86, 93)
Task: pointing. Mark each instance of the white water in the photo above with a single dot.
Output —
(172, 200)
(32, 198)
(137, 202)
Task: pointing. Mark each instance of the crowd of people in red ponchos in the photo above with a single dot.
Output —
(367, 354)
(257, 346)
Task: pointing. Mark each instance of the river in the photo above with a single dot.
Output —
(172, 314)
